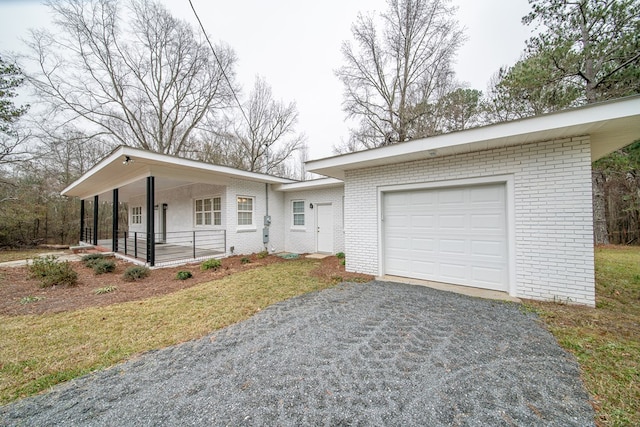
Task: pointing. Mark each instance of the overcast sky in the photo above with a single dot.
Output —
(295, 45)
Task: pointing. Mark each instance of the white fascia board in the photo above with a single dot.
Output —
(578, 121)
(310, 185)
(106, 171)
(195, 164)
(116, 153)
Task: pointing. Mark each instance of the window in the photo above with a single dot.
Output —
(208, 211)
(298, 213)
(136, 215)
(245, 210)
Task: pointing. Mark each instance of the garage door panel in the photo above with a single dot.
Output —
(487, 194)
(455, 272)
(425, 267)
(487, 222)
(487, 248)
(424, 245)
(452, 222)
(453, 235)
(422, 199)
(487, 277)
(422, 222)
(453, 247)
(450, 197)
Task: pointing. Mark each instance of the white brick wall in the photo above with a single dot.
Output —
(180, 216)
(303, 240)
(552, 209)
(248, 241)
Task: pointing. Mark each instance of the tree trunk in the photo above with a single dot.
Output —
(600, 234)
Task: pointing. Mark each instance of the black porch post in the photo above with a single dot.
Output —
(151, 240)
(114, 227)
(95, 220)
(82, 220)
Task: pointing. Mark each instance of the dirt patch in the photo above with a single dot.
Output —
(16, 287)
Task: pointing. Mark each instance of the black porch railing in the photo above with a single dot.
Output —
(170, 247)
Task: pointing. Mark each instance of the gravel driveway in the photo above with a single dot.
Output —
(358, 354)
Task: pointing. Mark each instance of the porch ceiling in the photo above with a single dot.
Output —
(170, 172)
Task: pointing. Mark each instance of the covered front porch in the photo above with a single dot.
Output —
(162, 210)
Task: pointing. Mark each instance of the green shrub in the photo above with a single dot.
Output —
(29, 299)
(101, 266)
(340, 255)
(244, 260)
(135, 272)
(262, 254)
(50, 272)
(184, 275)
(343, 261)
(105, 290)
(211, 264)
(90, 259)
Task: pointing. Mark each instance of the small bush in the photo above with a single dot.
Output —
(50, 272)
(262, 254)
(244, 260)
(340, 255)
(184, 275)
(90, 259)
(105, 290)
(211, 264)
(101, 266)
(134, 273)
(30, 299)
(343, 261)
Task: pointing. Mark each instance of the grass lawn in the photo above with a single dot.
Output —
(606, 341)
(37, 352)
(17, 254)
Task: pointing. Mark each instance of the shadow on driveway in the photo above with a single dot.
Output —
(358, 354)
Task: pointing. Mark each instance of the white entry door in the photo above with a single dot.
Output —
(454, 235)
(324, 231)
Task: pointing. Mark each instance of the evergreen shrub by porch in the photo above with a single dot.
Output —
(211, 264)
(90, 259)
(184, 275)
(135, 272)
(51, 272)
(101, 266)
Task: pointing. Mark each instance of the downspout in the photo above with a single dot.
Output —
(267, 218)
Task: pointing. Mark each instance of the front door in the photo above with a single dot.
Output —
(324, 217)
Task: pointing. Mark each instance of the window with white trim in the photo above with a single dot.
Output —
(136, 215)
(208, 211)
(245, 210)
(298, 213)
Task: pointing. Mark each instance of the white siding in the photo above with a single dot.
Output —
(180, 216)
(303, 239)
(552, 212)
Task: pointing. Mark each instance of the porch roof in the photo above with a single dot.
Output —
(115, 172)
(611, 125)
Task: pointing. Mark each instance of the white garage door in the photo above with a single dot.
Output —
(453, 235)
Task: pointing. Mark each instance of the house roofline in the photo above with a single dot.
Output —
(315, 184)
(166, 160)
(611, 125)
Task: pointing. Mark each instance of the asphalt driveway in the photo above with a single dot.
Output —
(358, 354)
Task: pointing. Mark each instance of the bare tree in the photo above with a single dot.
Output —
(135, 72)
(261, 138)
(394, 76)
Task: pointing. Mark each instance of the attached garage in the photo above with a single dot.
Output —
(506, 207)
(453, 235)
